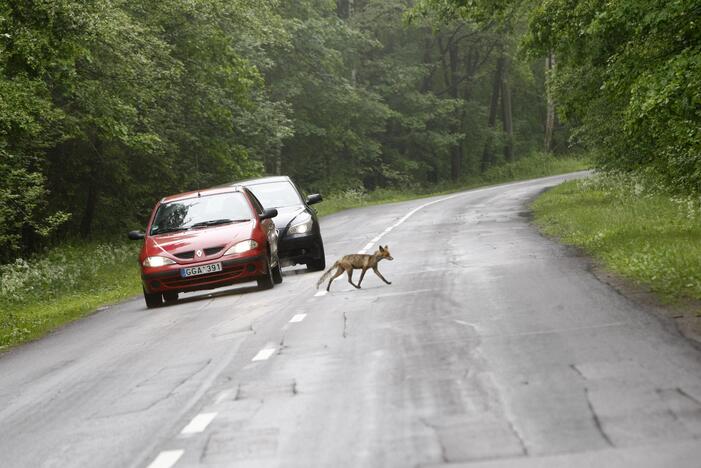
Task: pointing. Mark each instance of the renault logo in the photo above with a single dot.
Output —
(199, 253)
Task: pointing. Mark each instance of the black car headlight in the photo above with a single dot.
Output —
(301, 225)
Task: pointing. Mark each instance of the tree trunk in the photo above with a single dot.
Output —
(456, 153)
(89, 213)
(93, 190)
(550, 106)
(506, 114)
(426, 83)
(488, 153)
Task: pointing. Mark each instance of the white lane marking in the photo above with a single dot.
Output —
(401, 221)
(199, 423)
(321, 293)
(222, 396)
(166, 459)
(298, 318)
(264, 354)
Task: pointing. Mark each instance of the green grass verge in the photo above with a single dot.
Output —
(71, 281)
(62, 285)
(650, 237)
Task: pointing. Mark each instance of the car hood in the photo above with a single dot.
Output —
(287, 214)
(182, 242)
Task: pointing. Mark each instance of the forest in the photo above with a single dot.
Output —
(108, 105)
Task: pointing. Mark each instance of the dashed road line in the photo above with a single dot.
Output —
(264, 354)
(167, 459)
(199, 423)
(376, 239)
(222, 396)
(298, 318)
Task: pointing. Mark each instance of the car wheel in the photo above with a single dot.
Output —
(318, 263)
(153, 300)
(266, 281)
(277, 273)
(170, 296)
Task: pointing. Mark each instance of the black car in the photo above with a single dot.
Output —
(299, 236)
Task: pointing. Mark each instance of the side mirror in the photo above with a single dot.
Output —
(136, 235)
(314, 198)
(268, 213)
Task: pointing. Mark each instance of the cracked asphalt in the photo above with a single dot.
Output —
(493, 347)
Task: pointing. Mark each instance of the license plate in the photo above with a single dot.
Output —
(200, 270)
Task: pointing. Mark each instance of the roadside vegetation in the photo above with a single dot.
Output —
(632, 227)
(64, 283)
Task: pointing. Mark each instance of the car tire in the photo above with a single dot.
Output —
(318, 263)
(170, 297)
(277, 273)
(153, 300)
(266, 281)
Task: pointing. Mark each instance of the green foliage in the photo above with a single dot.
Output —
(629, 73)
(634, 228)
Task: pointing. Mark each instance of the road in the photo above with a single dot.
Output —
(492, 347)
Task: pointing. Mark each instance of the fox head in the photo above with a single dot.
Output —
(384, 253)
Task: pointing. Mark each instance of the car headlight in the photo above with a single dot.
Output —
(303, 224)
(242, 247)
(153, 262)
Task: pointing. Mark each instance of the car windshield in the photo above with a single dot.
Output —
(276, 194)
(201, 212)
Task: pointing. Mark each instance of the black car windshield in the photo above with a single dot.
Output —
(276, 194)
(201, 212)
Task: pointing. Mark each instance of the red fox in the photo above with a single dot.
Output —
(356, 262)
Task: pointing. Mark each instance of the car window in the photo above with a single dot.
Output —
(202, 211)
(258, 206)
(276, 194)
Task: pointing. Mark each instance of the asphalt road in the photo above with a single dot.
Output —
(492, 347)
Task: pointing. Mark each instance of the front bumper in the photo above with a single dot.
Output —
(238, 270)
(298, 248)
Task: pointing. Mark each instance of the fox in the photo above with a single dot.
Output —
(352, 262)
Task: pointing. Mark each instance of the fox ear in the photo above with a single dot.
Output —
(386, 247)
(381, 249)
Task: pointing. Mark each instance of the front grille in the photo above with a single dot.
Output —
(178, 281)
(190, 254)
(213, 250)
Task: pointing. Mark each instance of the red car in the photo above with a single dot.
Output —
(205, 240)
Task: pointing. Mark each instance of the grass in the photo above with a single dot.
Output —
(63, 285)
(68, 282)
(650, 237)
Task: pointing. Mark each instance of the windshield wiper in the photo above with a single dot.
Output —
(216, 222)
(167, 230)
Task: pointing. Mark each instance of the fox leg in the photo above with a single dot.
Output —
(377, 272)
(338, 273)
(362, 275)
(350, 277)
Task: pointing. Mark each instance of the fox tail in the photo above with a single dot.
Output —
(325, 276)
